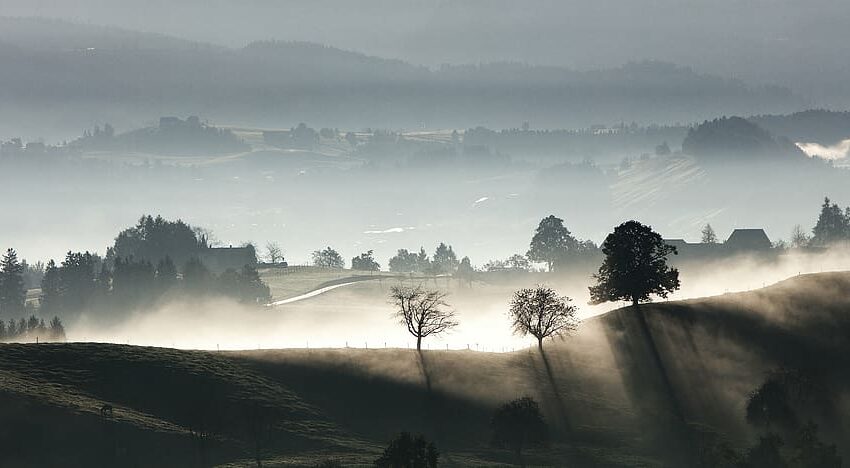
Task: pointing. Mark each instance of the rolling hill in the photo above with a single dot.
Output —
(123, 77)
(622, 392)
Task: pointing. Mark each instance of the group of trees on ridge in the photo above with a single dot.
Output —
(152, 261)
(172, 136)
(634, 269)
(13, 302)
(554, 245)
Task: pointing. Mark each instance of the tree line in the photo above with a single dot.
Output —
(32, 329)
(152, 261)
(552, 244)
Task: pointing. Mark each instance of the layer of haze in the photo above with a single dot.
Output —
(360, 316)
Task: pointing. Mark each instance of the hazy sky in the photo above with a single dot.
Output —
(785, 41)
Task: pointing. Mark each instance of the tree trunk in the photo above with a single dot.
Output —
(419, 343)
(634, 302)
(540, 344)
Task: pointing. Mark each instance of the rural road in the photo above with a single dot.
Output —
(323, 289)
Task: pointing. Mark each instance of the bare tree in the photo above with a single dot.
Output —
(423, 311)
(542, 313)
(273, 252)
(799, 238)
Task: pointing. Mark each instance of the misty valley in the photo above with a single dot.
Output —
(281, 248)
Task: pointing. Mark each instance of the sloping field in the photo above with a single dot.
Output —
(623, 391)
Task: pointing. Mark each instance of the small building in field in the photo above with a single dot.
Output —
(748, 240)
(741, 241)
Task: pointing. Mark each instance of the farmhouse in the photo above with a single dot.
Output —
(754, 241)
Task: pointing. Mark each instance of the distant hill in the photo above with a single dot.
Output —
(738, 139)
(95, 74)
(173, 136)
(812, 126)
(621, 392)
(49, 34)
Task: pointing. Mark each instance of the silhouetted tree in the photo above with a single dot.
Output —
(328, 258)
(77, 280)
(13, 295)
(444, 261)
(708, 235)
(153, 239)
(365, 262)
(635, 266)
(784, 401)
(423, 311)
(551, 242)
(542, 313)
(49, 301)
(406, 451)
(518, 425)
(832, 225)
(273, 252)
(768, 407)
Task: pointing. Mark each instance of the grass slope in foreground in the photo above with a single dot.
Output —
(621, 392)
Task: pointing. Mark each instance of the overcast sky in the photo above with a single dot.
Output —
(788, 42)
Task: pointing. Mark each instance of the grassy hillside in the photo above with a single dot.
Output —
(621, 392)
(293, 281)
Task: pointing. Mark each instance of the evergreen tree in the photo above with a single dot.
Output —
(708, 235)
(833, 225)
(51, 289)
(423, 263)
(77, 281)
(13, 295)
(445, 261)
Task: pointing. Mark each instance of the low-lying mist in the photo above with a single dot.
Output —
(360, 316)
